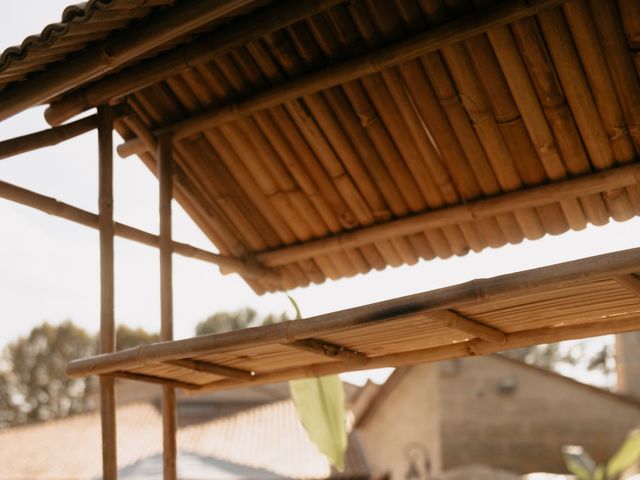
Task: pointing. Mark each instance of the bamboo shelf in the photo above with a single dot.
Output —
(583, 298)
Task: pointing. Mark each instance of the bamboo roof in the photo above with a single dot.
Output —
(577, 299)
(321, 139)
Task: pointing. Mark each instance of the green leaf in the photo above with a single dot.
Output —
(322, 410)
(578, 462)
(321, 406)
(626, 456)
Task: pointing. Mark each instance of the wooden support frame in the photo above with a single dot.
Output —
(206, 367)
(107, 299)
(112, 53)
(269, 19)
(459, 322)
(54, 207)
(329, 350)
(631, 282)
(169, 410)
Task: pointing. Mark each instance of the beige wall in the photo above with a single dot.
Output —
(523, 429)
(409, 415)
(628, 363)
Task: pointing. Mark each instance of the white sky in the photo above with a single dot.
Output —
(49, 267)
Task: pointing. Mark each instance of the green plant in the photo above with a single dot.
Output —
(582, 465)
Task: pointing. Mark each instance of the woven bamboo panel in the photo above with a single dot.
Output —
(589, 297)
(526, 104)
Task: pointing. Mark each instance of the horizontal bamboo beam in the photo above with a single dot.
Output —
(459, 322)
(631, 282)
(53, 136)
(206, 367)
(329, 350)
(110, 54)
(352, 69)
(140, 377)
(470, 293)
(225, 39)
(486, 208)
(46, 138)
(59, 209)
(459, 350)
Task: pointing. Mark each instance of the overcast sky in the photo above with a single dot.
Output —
(49, 267)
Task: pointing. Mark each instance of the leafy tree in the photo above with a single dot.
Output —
(35, 386)
(33, 382)
(243, 318)
(132, 337)
(554, 356)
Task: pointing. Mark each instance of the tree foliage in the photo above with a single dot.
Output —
(33, 382)
(35, 385)
(243, 318)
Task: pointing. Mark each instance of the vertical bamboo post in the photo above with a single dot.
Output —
(107, 320)
(165, 172)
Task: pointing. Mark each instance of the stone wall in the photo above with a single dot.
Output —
(405, 424)
(507, 415)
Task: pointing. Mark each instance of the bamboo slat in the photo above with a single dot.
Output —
(582, 104)
(551, 96)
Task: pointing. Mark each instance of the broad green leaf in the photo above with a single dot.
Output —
(321, 407)
(598, 473)
(578, 462)
(626, 456)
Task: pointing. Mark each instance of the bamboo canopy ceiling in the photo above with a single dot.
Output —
(319, 139)
(578, 299)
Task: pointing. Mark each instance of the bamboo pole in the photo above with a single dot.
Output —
(107, 319)
(430, 41)
(205, 49)
(59, 209)
(46, 138)
(467, 294)
(112, 53)
(169, 421)
(53, 136)
(603, 181)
